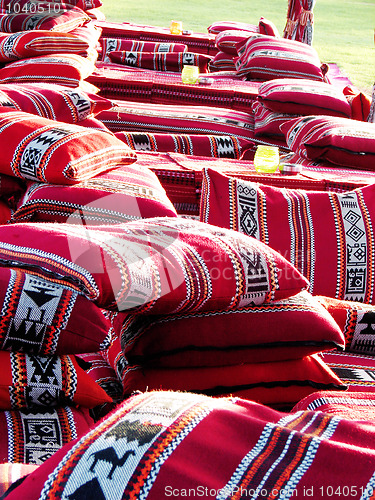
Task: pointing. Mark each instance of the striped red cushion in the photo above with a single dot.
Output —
(266, 57)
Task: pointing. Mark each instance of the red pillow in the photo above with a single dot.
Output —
(227, 41)
(216, 146)
(120, 45)
(287, 329)
(41, 316)
(35, 43)
(222, 62)
(191, 443)
(28, 381)
(183, 264)
(123, 194)
(42, 17)
(355, 320)
(64, 69)
(32, 436)
(266, 57)
(267, 122)
(160, 61)
(273, 383)
(303, 97)
(371, 115)
(341, 141)
(328, 236)
(52, 101)
(44, 150)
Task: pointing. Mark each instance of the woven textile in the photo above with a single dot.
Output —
(42, 316)
(286, 329)
(357, 371)
(43, 150)
(53, 102)
(68, 70)
(32, 436)
(183, 263)
(118, 44)
(35, 43)
(28, 381)
(160, 61)
(162, 444)
(349, 405)
(341, 141)
(277, 383)
(217, 146)
(304, 97)
(140, 85)
(120, 195)
(327, 236)
(202, 43)
(356, 321)
(267, 57)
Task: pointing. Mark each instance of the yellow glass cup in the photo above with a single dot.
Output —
(190, 74)
(266, 159)
(176, 27)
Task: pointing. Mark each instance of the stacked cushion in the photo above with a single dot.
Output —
(266, 57)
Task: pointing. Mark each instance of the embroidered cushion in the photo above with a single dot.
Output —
(32, 436)
(271, 383)
(341, 141)
(47, 19)
(371, 115)
(160, 61)
(123, 194)
(220, 445)
(28, 381)
(68, 70)
(266, 57)
(303, 97)
(160, 265)
(216, 146)
(44, 150)
(35, 43)
(285, 329)
(328, 236)
(119, 44)
(53, 102)
(41, 316)
(355, 320)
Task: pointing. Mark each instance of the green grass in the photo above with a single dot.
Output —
(343, 29)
